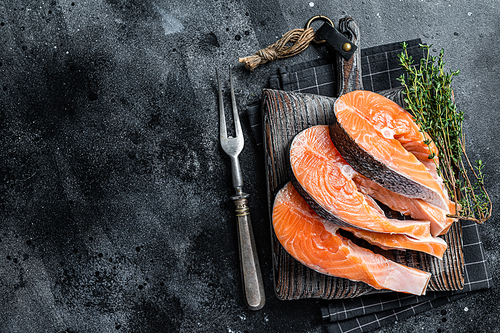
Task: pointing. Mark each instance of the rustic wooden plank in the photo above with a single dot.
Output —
(285, 114)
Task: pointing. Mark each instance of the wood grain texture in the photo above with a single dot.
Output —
(349, 73)
(285, 115)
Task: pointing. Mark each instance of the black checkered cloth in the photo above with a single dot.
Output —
(367, 313)
(380, 70)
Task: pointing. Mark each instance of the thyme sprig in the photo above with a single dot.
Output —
(428, 96)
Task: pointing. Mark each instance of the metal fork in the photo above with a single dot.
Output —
(253, 285)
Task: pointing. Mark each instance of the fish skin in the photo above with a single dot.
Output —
(318, 172)
(317, 244)
(367, 165)
(394, 168)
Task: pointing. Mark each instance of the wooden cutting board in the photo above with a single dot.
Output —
(285, 114)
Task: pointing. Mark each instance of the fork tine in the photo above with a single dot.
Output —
(237, 125)
(222, 116)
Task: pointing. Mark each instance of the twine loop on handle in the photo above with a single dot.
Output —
(299, 39)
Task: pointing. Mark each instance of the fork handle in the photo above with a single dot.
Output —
(236, 175)
(253, 285)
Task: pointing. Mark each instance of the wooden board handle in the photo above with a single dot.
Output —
(349, 71)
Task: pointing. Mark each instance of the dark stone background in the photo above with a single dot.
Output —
(114, 193)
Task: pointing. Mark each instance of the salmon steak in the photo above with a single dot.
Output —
(380, 140)
(325, 180)
(317, 244)
(416, 208)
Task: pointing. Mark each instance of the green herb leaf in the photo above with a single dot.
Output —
(428, 96)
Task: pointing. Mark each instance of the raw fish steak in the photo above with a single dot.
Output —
(416, 208)
(324, 179)
(317, 244)
(379, 140)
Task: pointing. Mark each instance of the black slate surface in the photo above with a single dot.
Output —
(114, 193)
